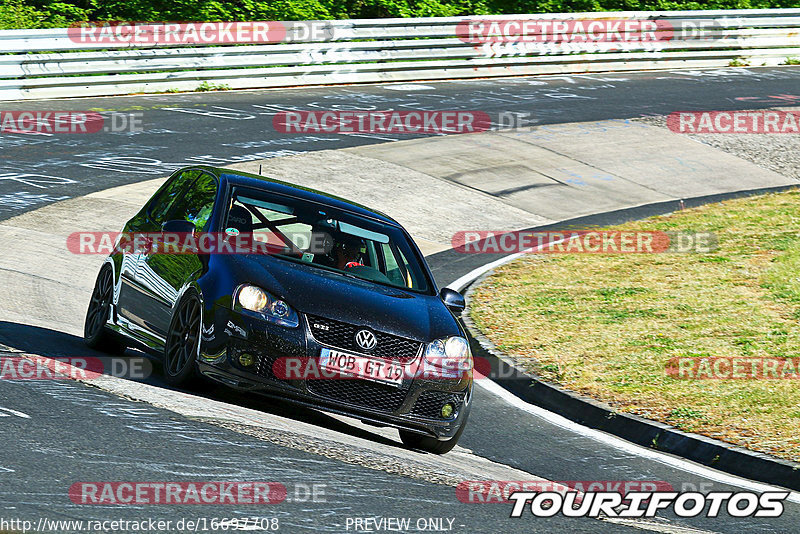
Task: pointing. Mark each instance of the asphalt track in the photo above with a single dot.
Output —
(75, 432)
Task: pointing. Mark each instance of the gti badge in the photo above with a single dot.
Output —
(366, 339)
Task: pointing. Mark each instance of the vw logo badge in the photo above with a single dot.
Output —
(366, 339)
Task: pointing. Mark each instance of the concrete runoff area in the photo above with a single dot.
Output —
(776, 152)
(579, 169)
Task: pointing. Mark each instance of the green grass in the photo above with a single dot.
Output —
(606, 325)
(783, 278)
(206, 86)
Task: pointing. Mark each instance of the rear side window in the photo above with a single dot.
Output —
(197, 203)
(160, 206)
(189, 196)
(398, 268)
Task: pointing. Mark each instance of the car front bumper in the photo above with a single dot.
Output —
(414, 406)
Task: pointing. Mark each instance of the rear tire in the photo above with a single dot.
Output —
(96, 334)
(429, 444)
(182, 345)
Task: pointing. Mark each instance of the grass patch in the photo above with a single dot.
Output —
(606, 325)
(206, 86)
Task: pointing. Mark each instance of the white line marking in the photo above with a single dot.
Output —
(408, 87)
(632, 448)
(13, 412)
(25, 132)
(464, 281)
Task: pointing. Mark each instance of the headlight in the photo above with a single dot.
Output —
(450, 353)
(255, 301)
(253, 298)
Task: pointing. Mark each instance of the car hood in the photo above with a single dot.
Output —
(315, 291)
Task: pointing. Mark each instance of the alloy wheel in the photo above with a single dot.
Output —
(183, 337)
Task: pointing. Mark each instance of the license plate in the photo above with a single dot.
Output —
(361, 367)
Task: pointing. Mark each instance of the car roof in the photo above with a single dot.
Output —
(264, 183)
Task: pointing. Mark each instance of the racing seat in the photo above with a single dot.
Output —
(241, 219)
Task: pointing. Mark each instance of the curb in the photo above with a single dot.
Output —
(589, 412)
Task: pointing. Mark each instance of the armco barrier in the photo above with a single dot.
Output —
(48, 63)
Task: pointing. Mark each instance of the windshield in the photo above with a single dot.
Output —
(326, 238)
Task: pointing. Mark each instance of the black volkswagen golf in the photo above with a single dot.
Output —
(329, 305)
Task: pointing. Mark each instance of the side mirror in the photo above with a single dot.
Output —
(178, 226)
(453, 300)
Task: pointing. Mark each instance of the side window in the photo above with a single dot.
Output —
(196, 204)
(160, 206)
(393, 270)
(399, 270)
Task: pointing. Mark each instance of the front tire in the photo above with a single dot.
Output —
(182, 345)
(95, 333)
(429, 444)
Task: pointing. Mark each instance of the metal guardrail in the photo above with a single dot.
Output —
(47, 63)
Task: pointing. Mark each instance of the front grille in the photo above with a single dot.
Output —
(429, 403)
(265, 364)
(362, 393)
(343, 336)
